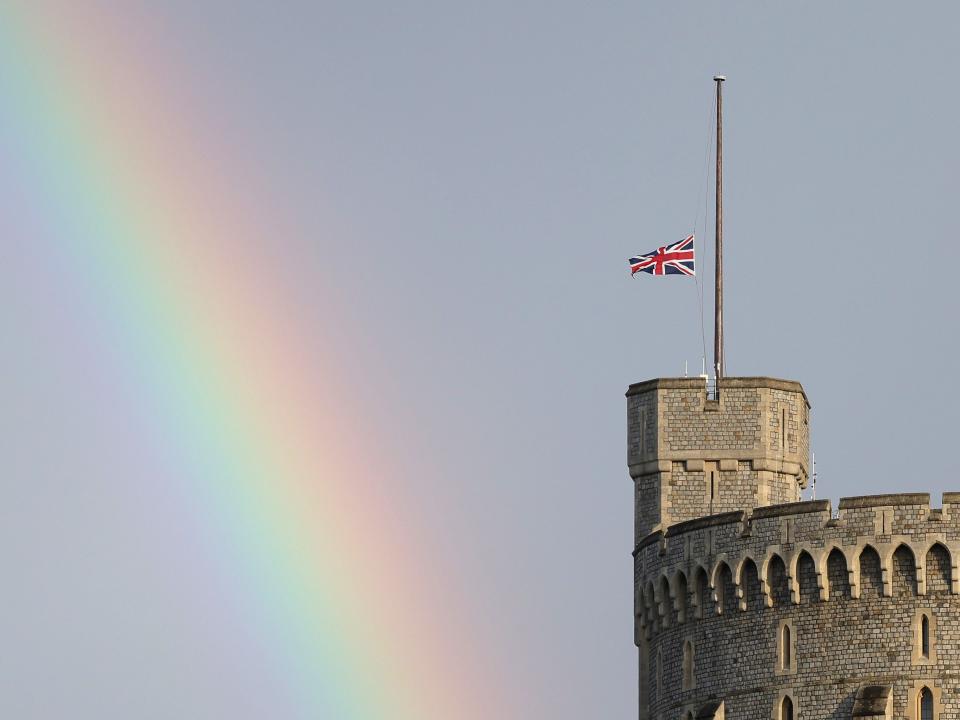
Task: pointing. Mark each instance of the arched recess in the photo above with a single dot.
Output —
(838, 575)
(681, 593)
(870, 572)
(726, 590)
(750, 586)
(807, 578)
(903, 570)
(653, 616)
(703, 605)
(777, 582)
(667, 616)
(937, 566)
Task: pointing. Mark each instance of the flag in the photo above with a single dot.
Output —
(676, 259)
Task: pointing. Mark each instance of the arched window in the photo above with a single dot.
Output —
(925, 704)
(924, 626)
(786, 708)
(924, 636)
(786, 647)
(786, 655)
(688, 669)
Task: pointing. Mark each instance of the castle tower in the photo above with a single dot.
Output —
(691, 454)
(751, 604)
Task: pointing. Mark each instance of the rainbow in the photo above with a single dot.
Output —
(175, 260)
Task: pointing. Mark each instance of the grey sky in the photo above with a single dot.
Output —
(491, 166)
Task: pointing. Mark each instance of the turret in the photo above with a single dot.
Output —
(693, 453)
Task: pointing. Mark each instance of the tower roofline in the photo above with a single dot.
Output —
(686, 383)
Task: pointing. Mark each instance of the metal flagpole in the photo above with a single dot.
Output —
(718, 363)
(814, 477)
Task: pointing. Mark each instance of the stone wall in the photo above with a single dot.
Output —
(690, 424)
(851, 590)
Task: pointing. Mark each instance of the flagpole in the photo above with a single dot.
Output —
(718, 363)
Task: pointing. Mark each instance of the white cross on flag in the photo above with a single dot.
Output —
(676, 259)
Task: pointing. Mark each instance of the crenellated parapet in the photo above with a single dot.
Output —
(793, 531)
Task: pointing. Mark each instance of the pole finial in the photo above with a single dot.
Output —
(719, 78)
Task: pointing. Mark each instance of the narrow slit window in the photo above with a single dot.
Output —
(924, 636)
(643, 432)
(714, 489)
(785, 660)
(786, 651)
(783, 429)
(687, 665)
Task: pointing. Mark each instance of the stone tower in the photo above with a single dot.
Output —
(752, 605)
(692, 455)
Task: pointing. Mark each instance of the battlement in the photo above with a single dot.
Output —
(691, 453)
(882, 522)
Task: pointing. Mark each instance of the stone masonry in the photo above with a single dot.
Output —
(690, 455)
(761, 606)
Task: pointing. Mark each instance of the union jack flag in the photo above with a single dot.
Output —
(676, 259)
